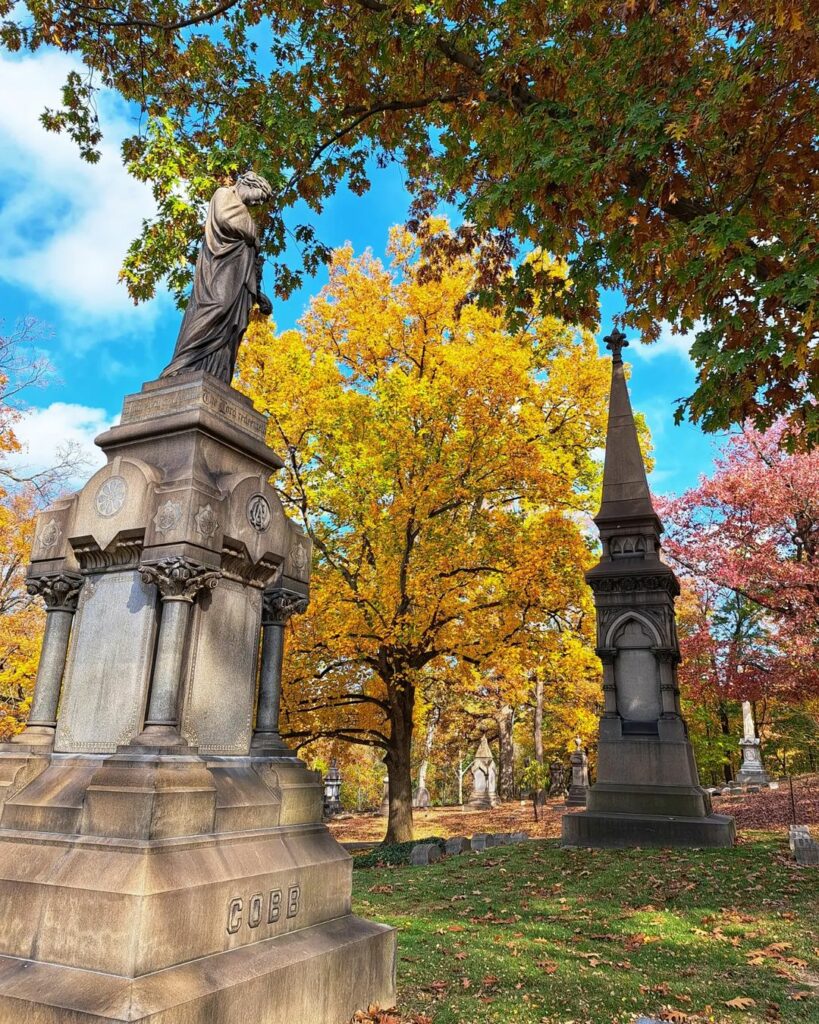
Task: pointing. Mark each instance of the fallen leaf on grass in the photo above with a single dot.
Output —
(798, 996)
(675, 1016)
(741, 1003)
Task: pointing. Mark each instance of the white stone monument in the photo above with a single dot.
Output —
(484, 793)
(752, 770)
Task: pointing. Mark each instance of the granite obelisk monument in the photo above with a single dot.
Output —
(162, 856)
(647, 791)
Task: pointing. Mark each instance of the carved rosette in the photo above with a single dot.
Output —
(280, 604)
(179, 579)
(60, 591)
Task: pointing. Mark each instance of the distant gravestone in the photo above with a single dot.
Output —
(484, 793)
(557, 779)
(580, 776)
(518, 837)
(422, 800)
(478, 842)
(498, 839)
(332, 791)
(425, 853)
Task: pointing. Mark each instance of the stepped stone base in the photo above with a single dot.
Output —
(603, 829)
(324, 973)
(179, 890)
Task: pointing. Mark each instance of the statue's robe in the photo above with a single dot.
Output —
(224, 291)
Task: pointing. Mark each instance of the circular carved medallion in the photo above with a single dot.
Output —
(300, 557)
(111, 496)
(258, 512)
(206, 522)
(168, 516)
(50, 536)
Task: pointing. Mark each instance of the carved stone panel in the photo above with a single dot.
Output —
(636, 674)
(109, 664)
(221, 681)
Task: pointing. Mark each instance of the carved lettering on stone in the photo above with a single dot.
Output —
(110, 496)
(262, 908)
(258, 512)
(205, 522)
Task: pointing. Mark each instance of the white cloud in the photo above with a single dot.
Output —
(43, 433)
(668, 344)
(67, 223)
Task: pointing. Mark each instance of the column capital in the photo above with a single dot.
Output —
(606, 654)
(59, 590)
(178, 578)
(280, 603)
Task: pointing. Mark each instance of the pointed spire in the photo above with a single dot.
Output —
(625, 487)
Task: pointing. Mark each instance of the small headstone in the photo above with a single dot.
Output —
(456, 845)
(425, 853)
(804, 849)
(497, 839)
(478, 841)
(484, 778)
(518, 837)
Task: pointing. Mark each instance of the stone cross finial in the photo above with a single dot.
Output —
(616, 341)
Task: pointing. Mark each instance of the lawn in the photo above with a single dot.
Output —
(540, 935)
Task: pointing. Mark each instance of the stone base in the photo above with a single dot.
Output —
(318, 975)
(609, 830)
(577, 796)
(481, 804)
(753, 777)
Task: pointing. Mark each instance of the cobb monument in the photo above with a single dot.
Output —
(162, 855)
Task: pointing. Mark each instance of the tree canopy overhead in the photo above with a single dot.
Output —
(665, 148)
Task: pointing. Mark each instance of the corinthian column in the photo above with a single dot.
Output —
(179, 581)
(279, 605)
(60, 591)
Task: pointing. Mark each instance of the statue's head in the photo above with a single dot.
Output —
(252, 189)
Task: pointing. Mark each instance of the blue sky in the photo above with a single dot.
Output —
(66, 225)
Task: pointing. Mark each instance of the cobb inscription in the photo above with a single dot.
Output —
(260, 906)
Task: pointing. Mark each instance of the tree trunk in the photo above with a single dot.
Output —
(432, 725)
(725, 726)
(399, 761)
(539, 795)
(506, 754)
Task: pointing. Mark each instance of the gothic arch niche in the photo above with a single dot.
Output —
(636, 672)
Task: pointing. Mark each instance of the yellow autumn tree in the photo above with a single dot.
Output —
(439, 462)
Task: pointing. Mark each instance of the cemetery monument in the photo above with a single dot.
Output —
(647, 791)
(578, 789)
(484, 793)
(752, 770)
(162, 856)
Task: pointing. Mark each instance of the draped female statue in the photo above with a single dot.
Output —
(226, 284)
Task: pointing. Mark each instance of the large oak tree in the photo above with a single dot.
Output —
(665, 148)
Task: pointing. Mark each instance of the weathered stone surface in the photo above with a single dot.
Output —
(498, 839)
(456, 845)
(425, 853)
(478, 841)
(143, 878)
(803, 847)
(484, 778)
(518, 837)
(612, 830)
(109, 664)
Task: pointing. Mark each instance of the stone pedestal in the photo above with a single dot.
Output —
(159, 860)
(647, 790)
(484, 793)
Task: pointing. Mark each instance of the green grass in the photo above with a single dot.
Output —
(541, 935)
